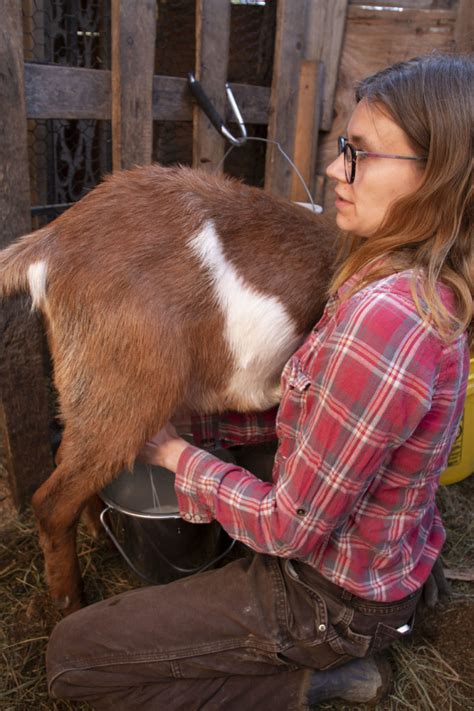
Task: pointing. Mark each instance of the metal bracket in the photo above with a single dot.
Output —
(214, 116)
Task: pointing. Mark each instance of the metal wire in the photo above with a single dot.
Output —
(68, 32)
(285, 155)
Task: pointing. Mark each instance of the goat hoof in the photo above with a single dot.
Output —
(66, 606)
(62, 603)
(95, 531)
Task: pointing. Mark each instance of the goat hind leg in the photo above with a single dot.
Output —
(90, 516)
(57, 505)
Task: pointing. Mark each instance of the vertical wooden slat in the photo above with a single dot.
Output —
(34, 51)
(133, 55)
(464, 27)
(24, 409)
(212, 56)
(308, 116)
(326, 22)
(289, 47)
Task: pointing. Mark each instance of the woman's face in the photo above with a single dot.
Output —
(362, 205)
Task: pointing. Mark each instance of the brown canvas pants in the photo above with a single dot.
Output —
(240, 638)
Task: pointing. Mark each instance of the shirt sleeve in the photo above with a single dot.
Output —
(352, 394)
(233, 428)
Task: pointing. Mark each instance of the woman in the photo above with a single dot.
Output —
(347, 532)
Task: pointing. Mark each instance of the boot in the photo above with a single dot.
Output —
(363, 681)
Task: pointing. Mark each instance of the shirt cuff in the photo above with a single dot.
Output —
(192, 465)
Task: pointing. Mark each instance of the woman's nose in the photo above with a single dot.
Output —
(335, 170)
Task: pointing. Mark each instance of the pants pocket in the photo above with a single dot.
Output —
(337, 649)
(352, 643)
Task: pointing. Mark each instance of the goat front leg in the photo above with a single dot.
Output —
(90, 517)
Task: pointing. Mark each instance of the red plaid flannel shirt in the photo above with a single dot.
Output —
(370, 407)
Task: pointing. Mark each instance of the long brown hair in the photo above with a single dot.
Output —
(431, 231)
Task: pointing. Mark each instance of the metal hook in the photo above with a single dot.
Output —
(214, 116)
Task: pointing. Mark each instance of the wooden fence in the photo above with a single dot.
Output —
(322, 47)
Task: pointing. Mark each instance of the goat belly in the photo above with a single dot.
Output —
(259, 332)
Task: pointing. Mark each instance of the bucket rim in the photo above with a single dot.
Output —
(137, 514)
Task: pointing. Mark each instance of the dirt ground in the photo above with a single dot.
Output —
(449, 629)
(433, 671)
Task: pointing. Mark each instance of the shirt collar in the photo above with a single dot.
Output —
(358, 277)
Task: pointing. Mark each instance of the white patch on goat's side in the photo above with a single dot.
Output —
(37, 273)
(259, 331)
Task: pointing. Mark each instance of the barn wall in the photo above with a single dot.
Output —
(375, 39)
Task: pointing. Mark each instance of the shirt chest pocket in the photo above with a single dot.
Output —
(293, 407)
(296, 388)
(298, 380)
(294, 376)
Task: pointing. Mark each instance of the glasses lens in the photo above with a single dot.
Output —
(341, 142)
(348, 162)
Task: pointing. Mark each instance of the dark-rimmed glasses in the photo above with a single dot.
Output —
(351, 154)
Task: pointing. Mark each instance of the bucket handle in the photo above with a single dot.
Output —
(178, 568)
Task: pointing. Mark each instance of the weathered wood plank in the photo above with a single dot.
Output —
(289, 48)
(67, 92)
(308, 116)
(212, 56)
(24, 409)
(385, 15)
(70, 93)
(133, 57)
(326, 22)
(369, 46)
(409, 4)
(464, 27)
(459, 574)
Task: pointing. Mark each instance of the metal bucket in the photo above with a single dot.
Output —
(157, 544)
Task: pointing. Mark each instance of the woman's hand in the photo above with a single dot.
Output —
(164, 448)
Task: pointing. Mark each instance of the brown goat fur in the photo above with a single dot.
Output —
(135, 328)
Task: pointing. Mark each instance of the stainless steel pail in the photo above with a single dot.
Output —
(142, 519)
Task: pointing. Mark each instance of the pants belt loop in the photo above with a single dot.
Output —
(346, 595)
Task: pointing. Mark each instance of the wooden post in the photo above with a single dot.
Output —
(308, 118)
(289, 48)
(24, 415)
(133, 58)
(212, 56)
(325, 31)
(464, 27)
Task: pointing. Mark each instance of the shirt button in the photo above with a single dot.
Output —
(322, 628)
(301, 512)
(197, 518)
(187, 517)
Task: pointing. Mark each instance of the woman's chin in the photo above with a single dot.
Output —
(343, 222)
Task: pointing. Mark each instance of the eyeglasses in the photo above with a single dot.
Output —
(351, 154)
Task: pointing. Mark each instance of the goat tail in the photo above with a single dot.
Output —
(23, 265)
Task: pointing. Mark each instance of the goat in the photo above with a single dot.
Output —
(163, 289)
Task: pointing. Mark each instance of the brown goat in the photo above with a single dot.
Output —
(162, 290)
